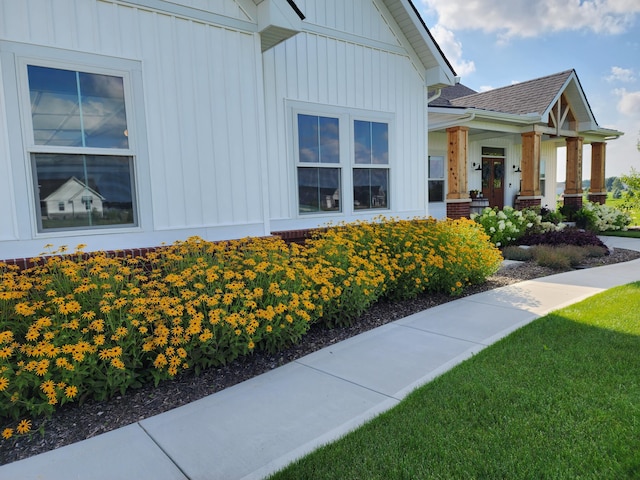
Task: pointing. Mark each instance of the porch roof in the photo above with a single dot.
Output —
(510, 108)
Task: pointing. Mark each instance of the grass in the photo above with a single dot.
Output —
(559, 398)
(619, 203)
(618, 233)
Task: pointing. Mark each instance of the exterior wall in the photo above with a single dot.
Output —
(201, 141)
(329, 67)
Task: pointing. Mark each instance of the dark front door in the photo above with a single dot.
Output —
(493, 181)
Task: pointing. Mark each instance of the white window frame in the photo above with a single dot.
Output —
(14, 59)
(346, 121)
(443, 179)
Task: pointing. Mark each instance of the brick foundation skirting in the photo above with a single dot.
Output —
(574, 202)
(522, 203)
(25, 263)
(600, 198)
(457, 210)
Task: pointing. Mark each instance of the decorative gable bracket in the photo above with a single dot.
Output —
(278, 20)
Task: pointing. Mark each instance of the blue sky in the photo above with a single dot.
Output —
(493, 43)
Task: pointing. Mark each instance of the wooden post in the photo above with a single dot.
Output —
(458, 201)
(530, 166)
(598, 191)
(573, 186)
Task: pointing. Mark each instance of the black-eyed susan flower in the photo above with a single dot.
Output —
(24, 426)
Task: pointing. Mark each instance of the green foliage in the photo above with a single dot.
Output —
(632, 182)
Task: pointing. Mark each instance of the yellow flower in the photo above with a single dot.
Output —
(42, 368)
(71, 391)
(4, 383)
(24, 426)
(7, 433)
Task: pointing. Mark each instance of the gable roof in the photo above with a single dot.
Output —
(525, 103)
(533, 96)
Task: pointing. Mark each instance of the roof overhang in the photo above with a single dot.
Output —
(441, 118)
(438, 71)
(278, 20)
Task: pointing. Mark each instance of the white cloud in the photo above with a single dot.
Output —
(452, 50)
(619, 74)
(629, 102)
(515, 17)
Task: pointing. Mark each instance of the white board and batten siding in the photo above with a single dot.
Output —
(209, 115)
(198, 166)
(350, 58)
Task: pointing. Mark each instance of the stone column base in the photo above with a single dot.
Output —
(458, 209)
(600, 198)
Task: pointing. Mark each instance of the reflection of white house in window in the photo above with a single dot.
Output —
(72, 198)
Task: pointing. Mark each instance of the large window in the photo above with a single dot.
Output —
(329, 146)
(436, 179)
(79, 148)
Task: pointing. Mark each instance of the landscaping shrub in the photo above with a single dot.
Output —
(79, 326)
(601, 218)
(567, 236)
(506, 226)
(516, 253)
(552, 257)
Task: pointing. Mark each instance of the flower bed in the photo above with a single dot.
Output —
(77, 326)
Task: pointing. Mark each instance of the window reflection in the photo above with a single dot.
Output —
(371, 142)
(370, 188)
(84, 190)
(318, 189)
(77, 109)
(318, 139)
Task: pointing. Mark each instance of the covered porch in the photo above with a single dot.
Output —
(510, 158)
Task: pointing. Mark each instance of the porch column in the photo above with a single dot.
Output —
(598, 190)
(530, 166)
(573, 187)
(458, 201)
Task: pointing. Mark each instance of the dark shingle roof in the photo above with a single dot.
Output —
(532, 96)
(450, 93)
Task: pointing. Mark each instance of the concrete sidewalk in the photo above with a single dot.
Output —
(254, 428)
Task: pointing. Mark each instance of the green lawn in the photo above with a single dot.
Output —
(559, 398)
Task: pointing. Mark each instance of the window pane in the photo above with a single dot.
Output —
(308, 139)
(318, 139)
(370, 188)
(436, 167)
(55, 109)
(436, 191)
(80, 191)
(318, 189)
(371, 142)
(329, 140)
(103, 113)
(76, 109)
(362, 137)
(380, 143)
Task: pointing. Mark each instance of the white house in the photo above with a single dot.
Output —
(217, 118)
(71, 200)
(504, 144)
